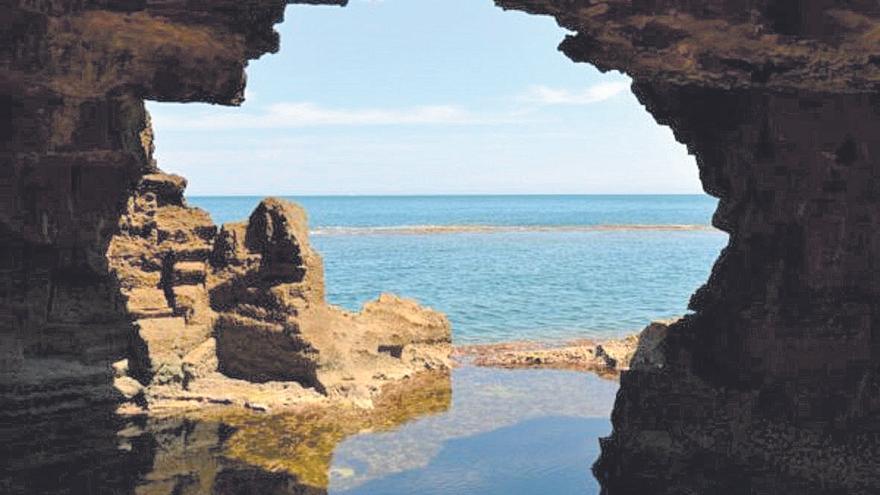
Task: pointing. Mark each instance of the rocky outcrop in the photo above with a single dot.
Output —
(75, 143)
(159, 258)
(770, 386)
(101, 260)
(226, 316)
(273, 324)
(105, 273)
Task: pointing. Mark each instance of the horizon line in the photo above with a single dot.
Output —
(414, 195)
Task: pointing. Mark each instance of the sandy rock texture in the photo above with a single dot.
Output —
(238, 315)
(770, 386)
(76, 156)
(273, 324)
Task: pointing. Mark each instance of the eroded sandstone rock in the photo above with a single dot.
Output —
(771, 386)
(247, 304)
(159, 259)
(273, 323)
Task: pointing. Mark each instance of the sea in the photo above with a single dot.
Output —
(504, 268)
(511, 268)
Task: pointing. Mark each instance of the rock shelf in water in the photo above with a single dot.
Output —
(606, 358)
(239, 316)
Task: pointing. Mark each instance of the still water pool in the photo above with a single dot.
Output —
(505, 432)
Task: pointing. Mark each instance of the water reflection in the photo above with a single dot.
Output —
(507, 432)
(527, 431)
(540, 455)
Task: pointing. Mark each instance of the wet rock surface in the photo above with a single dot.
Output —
(606, 358)
(217, 450)
(769, 387)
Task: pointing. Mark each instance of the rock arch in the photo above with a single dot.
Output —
(772, 378)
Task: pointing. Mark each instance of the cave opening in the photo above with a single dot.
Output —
(530, 200)
(406, 106)
(119, 301)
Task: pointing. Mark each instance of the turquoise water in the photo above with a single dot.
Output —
(513, 267)
(536, 210)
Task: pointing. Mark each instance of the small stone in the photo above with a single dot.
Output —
(128, 387)
(120, 368)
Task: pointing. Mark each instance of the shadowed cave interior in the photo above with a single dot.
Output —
(771, 386)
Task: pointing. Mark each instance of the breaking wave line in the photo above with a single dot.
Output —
(499, 229)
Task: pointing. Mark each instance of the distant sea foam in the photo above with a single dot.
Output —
(490, 229)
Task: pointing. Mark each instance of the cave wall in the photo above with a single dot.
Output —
(75, 143)
(777, 100)
(66, 167)
(771, 385)
(794, 296)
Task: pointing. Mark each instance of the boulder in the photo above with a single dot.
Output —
(273, 324)
(248, 302)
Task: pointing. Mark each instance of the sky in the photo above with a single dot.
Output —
(422, 97)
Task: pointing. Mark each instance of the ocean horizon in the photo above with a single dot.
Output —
(548, 268)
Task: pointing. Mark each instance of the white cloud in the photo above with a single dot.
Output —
(290, 115)
(551, 96)
(285, 115)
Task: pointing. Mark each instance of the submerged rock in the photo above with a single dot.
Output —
(606, 357)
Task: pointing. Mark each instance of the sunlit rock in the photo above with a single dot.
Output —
(273, 323)
(770, 386)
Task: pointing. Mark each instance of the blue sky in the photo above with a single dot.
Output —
(422, 97)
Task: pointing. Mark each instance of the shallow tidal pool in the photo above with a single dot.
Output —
(477, 431)
(505, 432)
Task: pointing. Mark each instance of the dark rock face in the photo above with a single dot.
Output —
(75, 144)
(770, 387)
(780, 45)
